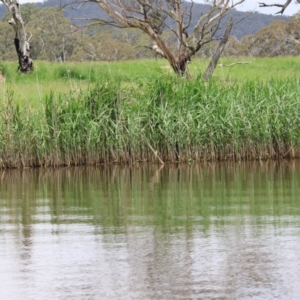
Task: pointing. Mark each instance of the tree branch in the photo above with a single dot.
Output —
(283, 6)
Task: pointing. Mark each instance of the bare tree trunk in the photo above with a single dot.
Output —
(182, 64)
(214, 60)
(179, 66)
(21, 43)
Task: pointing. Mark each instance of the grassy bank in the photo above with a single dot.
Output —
(127, 121)
(70, 76)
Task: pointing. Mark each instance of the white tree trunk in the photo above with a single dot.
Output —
(21, 42)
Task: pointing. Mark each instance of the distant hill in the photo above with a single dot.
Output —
(251, 22)
(3, 10)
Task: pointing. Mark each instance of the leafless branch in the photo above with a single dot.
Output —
(234, 64)
(283, 6)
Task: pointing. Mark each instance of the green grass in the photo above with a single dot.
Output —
(94, 113)
(62, 78)
(240, 70)
(70, 76)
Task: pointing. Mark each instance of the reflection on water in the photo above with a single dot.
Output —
(221, 231)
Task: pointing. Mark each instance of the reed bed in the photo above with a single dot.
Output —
(161, 119)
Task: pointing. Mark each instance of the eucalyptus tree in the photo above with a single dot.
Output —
(154, 17)
(283, 5)
(7, 48)
(54, 37)
(20, 40)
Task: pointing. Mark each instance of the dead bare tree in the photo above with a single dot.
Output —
(215, 58)
(153, 17)
(283, 6)
(21, 42)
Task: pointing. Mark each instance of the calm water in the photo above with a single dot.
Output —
(198, 232)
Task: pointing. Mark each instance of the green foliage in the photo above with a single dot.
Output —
(7, 47)
(281, 37)
(111, 118)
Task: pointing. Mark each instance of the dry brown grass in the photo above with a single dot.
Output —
(2, 78)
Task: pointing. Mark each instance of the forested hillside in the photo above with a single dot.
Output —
(60, 34)
(251, 22)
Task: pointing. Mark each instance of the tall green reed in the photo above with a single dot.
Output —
(171, 118)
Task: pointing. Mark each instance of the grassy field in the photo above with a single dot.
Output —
(70, 76)
(138, 111)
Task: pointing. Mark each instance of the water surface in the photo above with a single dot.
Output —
(215, 231)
